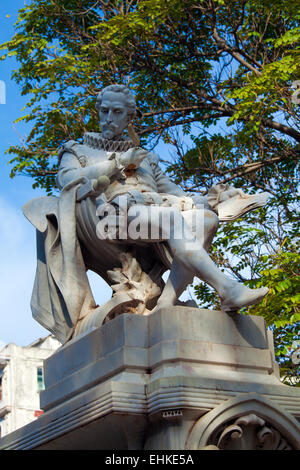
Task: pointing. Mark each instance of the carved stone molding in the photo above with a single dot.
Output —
(249, 432)
(248, 422)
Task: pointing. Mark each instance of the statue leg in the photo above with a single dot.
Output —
(189, 252)
(203, 224)
(177, 282)
(194, 257)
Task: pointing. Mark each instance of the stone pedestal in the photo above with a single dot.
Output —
(180, 378)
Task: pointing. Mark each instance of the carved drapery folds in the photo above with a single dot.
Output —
(249, 432)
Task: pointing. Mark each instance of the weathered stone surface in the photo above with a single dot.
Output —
(121, 217)
(200, 339)
(163, 381)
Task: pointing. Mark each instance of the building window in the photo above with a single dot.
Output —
(1, 426)
(1, 382)
(40, 379)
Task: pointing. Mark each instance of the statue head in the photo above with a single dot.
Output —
(116, 107)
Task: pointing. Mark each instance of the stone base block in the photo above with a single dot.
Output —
(180, 378)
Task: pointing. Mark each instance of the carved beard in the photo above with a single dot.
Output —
(112, 128)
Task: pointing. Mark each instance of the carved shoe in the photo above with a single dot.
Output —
(242, 296)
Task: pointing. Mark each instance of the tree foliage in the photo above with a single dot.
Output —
(214, 80)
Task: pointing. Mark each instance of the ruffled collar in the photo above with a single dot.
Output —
(94, 140)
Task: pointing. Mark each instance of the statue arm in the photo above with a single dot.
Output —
(70, 169)
(216, 194)
(164, 184)
(201, 202)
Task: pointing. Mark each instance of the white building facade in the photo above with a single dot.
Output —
(21, 380)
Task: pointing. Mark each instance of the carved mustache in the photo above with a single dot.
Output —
(111, 126)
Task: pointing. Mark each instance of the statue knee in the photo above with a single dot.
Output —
(211, 224)
(211, 220)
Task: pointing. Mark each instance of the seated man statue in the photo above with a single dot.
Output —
(76, 232)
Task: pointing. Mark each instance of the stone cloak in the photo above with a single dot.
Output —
(61, 293)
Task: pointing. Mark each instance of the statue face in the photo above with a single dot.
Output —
(113, 114)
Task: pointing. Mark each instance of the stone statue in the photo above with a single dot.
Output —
(120, 216)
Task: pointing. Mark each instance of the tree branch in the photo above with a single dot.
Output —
(222, 45)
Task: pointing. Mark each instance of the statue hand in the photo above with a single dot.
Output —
(101, 184)
(132, 158)
(231, 192)
(93, 188)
